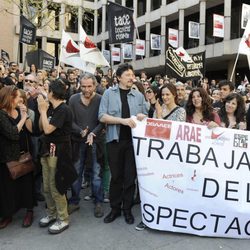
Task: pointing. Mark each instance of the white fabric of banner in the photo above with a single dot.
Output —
(193, 179)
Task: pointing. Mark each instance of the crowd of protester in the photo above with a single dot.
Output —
(78, 130)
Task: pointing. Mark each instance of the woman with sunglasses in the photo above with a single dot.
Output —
(151, 96)
(14, 138)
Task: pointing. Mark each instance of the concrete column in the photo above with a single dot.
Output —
(44, 43)
(163, 35)
(123, 2)
(136, 32)
(181, 27)
(147, 24)
(80, 15)
(164, 2)
(202, 23)
(147, 45)
(44, 37)
(148, 6)
(61, 18)
(95, 23)
(104, 10)
(227, 20)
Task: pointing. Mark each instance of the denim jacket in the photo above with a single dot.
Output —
(111, 105)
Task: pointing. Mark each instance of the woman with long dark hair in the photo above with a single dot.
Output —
(14, 138)
(232, 113)
(199, 109)
(166, 107)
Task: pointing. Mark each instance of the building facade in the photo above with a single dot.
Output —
(150, 17)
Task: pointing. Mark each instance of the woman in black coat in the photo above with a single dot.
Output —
(14, 194)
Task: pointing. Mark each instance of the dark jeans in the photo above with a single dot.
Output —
(123, 173)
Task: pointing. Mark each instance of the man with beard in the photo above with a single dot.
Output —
(87, 132)
(117, 106)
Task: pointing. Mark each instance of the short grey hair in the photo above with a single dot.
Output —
(88, 75)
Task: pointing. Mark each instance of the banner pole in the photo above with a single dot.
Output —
(111, 63)
(58, 67)
(233, 70)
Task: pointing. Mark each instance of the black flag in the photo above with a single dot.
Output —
(182, 70)
(5, 57)
(120, 23)
(27, 31)
(41, 59)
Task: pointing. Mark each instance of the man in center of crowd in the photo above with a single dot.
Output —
(86, 131)
(117, 106)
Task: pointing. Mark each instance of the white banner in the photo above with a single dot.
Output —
(116, 54)
(218, 25)
(140, 47)
(193, 30)
(245, 15)
(192, 179)
(173, 39)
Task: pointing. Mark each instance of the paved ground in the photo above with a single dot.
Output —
(87, 232)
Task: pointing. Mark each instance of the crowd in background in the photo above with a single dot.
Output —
(27, 121)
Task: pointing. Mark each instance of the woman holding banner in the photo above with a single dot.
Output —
(199, 109)
(232, 113)
(166, 107)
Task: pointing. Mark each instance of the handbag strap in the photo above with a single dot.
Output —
(172, 111)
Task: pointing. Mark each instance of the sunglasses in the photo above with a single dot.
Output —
(27, 80)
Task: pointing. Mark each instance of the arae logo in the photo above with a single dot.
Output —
(158, 129)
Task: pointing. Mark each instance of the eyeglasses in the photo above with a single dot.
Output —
(27, 80)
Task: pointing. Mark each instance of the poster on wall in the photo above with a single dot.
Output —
(155, 42)
(218, 25)
(106, 54)
(193, 30)
(127, 51)
(140, 47)
(173, 38)
(245, 15)
(116, 54)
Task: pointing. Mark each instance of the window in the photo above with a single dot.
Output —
(71, 19)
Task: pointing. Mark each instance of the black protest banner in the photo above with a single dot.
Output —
(120, 23)
(199, 63)
(27, 31)
(41, 59)
(5, 57)
(182, 70)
